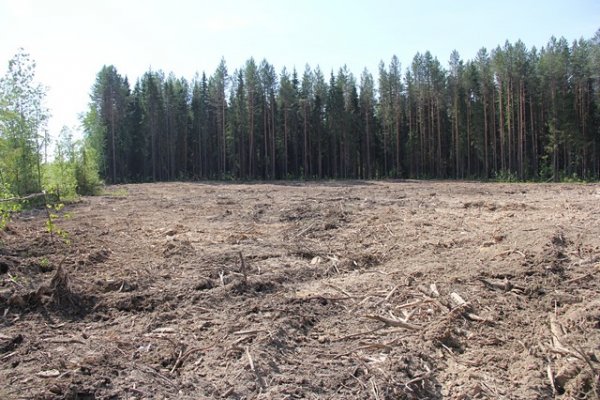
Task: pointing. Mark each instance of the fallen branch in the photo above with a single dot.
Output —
(177, 362)
(551, 378)
(391, 293)
(19, 199)
(375, 389)
(412, 303)
(504, 285)
(386, 298)
(371, 346)
(557, 334)
(303, 231)
(249, 358)
(419, 378)
(7, 356)
(251, 332)
(183, 357)
(389, 230)
(155, 373)
(358, 334)
(342, 291)
(394, 322)
(581, 278)
(465, 308)
(586, 358)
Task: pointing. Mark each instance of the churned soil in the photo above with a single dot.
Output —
(328, 290)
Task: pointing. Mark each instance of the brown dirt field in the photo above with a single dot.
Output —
(347, 290)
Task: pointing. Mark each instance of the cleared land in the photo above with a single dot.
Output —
(366, 290)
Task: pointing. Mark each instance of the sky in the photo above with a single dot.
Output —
(71, 40)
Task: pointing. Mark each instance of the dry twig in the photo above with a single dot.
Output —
(358, 334)
(183, 357)
(250, 361)
(420, 378)
(504, 285)
(345, 293)
(243, 268)
(374, 389)
(582, 277)
(386, 298)
(394, 322)
(551, 378)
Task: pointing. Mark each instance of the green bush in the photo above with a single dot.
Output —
(7, 207)
(506, 176)
(87, 179)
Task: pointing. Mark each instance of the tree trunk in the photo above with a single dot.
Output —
(501, 127)
(305, 155)
(486, 164)
(439, 140)
(251, 136)
(368, 145)
(114, 153)
(285, 142)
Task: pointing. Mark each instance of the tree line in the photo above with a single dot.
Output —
(513, 112)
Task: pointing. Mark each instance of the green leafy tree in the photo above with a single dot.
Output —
(61, 177)
(23, 119)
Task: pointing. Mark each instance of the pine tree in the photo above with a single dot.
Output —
(110, 98)
(287, 101)
(514, 112)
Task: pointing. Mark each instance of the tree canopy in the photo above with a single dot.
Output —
(22, 127)
(511, 112)
(24, 140)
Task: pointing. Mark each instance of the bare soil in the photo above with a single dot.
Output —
(334, 290)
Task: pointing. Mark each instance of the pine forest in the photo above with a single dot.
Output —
(510, 113)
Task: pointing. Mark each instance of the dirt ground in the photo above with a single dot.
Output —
(333, 290)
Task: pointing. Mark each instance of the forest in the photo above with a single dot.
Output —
(513, 113)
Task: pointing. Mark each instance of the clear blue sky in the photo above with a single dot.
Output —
(72, 39)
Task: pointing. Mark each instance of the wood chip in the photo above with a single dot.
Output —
(458, 300)
(164, 330)
(51, 373)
